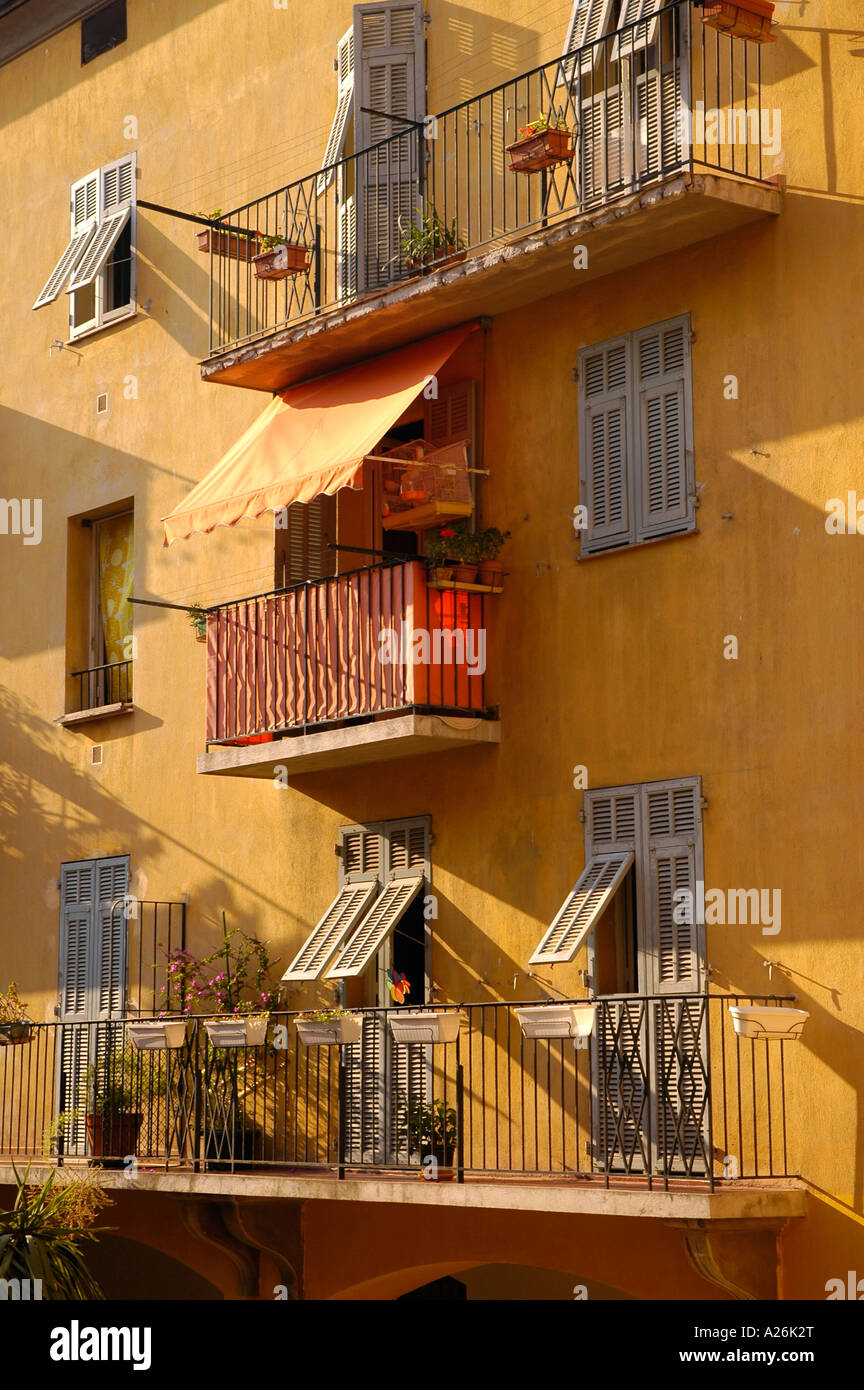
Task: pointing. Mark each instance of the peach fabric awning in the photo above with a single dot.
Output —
(312, 439)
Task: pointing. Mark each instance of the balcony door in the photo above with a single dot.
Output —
(650, 1079)
(93, 954)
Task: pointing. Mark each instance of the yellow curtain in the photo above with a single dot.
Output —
(116, 560)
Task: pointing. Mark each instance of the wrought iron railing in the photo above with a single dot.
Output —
(662, 1091)
(637, 111)
(110, 684)
(343, 648)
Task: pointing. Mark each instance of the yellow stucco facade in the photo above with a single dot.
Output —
(621, 664)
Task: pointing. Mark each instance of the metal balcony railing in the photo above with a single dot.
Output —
(655, 99)
(110, 684)
(343, 648)
(663, 1091)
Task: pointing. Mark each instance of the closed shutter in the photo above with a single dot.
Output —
(390, 80)
(664, 425)
(594, 890)
(450, 418)
(375, 928)
(407, 849)
(346, 249)
(658, 99)
(632, 40)
(344, 108)
(589, 20)
(84, 217)
(302, 547)
(606, 147)
(350, 904)
(361, 854)
(673, 823)
(613, 818)
(604, 385)
(117, 191)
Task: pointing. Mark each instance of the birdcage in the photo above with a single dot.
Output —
(424, 485)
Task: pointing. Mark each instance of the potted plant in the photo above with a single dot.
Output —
(233, 979)
(329, 1028)
(15, 1026)
(279, 258)
(488, 544)
(771, 1022)
(40, 1238)
(557, 1020)
(463, 551)
(432, 1132)
(742, 19)
(111, 1120)
(198, 619)
(429, 241)
(542, 143)
(424, 1026)
(236, 244)
(436, 551)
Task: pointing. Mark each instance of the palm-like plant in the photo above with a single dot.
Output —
(40, 1237)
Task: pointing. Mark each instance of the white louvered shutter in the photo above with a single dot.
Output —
(117, 191)
(350, 904)
(585, 903)
(344, 107)
(589, 20)
(659, 148)
(84, 218)
(346, 249)
(390, 78)
(604, 388)
(664, 428)
(633, 40)
(376, 926)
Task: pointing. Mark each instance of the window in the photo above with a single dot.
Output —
(303, 534)
(643, 844)
(99, 623)
(97, 266)
(636, 477)
(103, 30)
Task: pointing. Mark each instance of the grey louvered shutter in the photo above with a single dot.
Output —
(673, 819)
(390, 79)
(612, 818)
(664, 429)
(344, 107)
(84, 220)
(589, 20)
(112, 887)
(587, 901)
(348, 907)
(633, 40)
(604, 384)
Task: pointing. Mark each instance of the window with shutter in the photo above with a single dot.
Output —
(390, 81)
(302, 544)
(636, 436)
(375, 928)
(344, 106)
(450, 418)
(631, 40)
(583, 906)
(346, 910)
(589, 21)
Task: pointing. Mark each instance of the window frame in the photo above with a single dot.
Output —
(103, 317)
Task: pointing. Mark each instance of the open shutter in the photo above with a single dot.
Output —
(84, 206)
(596, 886)
(344, 108)
(450, 418)
(633, 40)
(346, 249)
(117, 192)
(664, 427)
(375, 928)
(589, 20)
(350, 904)
(604, 385)
(391, 81)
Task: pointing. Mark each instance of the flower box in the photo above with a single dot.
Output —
(281, 261)
(249, 1030)
(19, 1031)
(557, 1020)
(540, 151)
(235, 246)
(742, 19)
(408, 1026)
(771, 1022)
(334, 1032)
(158, 1033)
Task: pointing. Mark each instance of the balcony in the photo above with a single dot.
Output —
(361, 667)
(660, 1096)
(100, 693)
(665, 151)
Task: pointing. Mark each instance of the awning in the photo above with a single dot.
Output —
(312, 439)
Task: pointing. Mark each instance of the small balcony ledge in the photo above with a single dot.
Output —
(92, 716)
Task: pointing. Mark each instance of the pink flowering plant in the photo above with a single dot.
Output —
(234, 979)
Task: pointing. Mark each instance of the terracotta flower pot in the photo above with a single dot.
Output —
(113, 1136)
(490, 572)
(281, 261)
(540, 151)
(441, 256)
(742, 19)
(465, 574)
(232, 245)
(439, 574)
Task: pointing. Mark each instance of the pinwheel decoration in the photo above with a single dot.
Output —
(398, 985)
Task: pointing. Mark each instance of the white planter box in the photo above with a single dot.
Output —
(557, 1020)
(409, 1027)
(768, 1021)
(338, 1031)
(160, 1033)
(248, 1031)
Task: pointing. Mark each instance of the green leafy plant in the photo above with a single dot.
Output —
(12, 1007)
(486, 545)
(232, 979)
(269, 243)
(198, 619)
(40, 1238)
(431, 1128)
(328, 1015)
(545, 121)
(216, 216)
(420, 241)
(438, 549)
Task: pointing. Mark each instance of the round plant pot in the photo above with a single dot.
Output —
(464, 574)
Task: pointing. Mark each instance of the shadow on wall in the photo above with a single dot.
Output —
(515, 1283)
